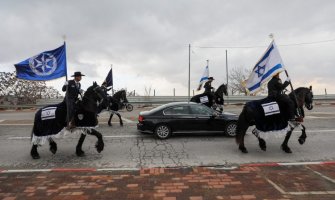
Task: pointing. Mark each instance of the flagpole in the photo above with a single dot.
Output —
(113, 80)
(67, 87)
(189, 71)
(290, 83)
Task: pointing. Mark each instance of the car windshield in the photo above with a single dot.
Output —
(201, 110)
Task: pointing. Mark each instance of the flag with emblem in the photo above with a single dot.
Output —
(269, 65)
(203, 78)
(109, 78)
(45, 66)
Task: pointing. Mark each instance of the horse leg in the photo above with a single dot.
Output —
(100, 143)
(303, 135)
(121, 122)
(79, 151)
(241, 129)
(53, 146)
(284, 145)
(34, 153)
(261, 141)
(110, 119)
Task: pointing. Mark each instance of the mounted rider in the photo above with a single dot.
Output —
(72, 89)
(208, 85)
(275, 91)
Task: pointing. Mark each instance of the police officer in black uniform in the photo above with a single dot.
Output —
(208, 85)
(275, 91)
(73, 90)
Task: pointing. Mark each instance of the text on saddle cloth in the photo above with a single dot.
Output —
(271, 108)
(48, 113)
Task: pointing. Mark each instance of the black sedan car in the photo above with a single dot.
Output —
(184, 117)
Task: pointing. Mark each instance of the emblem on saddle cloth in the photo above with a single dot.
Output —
(80, 116)
(204, 99)
(271, 108)
(48, 113)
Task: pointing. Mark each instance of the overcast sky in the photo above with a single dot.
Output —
(147, 41)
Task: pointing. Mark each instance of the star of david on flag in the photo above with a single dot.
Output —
(203, 78)
(45, 66)
(269, 65)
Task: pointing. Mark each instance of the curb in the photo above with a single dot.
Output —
(4, 171)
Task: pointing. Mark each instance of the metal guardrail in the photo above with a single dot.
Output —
(144, 100)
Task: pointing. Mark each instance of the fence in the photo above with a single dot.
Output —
(156, 100)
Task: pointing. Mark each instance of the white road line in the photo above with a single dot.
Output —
(323, 176)
(106, 136)
(127, 120)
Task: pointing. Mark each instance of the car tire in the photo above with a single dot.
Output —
(230, 129)
(162, 131)
(129, 107)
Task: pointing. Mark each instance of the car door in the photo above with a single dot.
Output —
(180, 118)
(203, 116)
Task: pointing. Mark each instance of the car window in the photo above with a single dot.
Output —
(177, 110)
(201, 110)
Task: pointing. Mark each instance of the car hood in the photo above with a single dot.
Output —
(228, 115)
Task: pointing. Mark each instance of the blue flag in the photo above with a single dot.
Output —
(269, 65)
(45, 66)
(109, 78)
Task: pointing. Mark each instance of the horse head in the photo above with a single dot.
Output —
(95, 94)
(222, 89)
(304, 97)
(121, 96)
(309, 98)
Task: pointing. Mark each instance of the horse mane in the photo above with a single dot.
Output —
(118, 94)
(220, 89)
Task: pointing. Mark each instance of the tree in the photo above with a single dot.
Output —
(236, 77)
(25, 91)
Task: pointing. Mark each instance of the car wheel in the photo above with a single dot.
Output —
(162, 131)
(230, 129)
(129, 107)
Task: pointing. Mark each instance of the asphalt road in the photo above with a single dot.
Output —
(125, 147)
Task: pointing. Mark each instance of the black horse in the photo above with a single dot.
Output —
(51, 120)
(116, 103)
(213, 100)
(251, 113)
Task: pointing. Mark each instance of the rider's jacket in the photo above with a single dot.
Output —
(208, 86)
(276, 87)
(73, 89)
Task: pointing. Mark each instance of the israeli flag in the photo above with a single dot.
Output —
(203, 78)
(45, 66)
(269, 65)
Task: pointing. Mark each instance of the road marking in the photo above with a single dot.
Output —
(1, 120)
(323, 176)
(127, 120)
(106, 136)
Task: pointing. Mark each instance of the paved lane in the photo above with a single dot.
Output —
(126, 148)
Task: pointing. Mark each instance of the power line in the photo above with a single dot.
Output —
(248, 47)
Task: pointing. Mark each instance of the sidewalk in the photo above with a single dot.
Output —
(246, 182)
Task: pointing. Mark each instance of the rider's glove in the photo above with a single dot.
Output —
(66, 83)
(288, 79)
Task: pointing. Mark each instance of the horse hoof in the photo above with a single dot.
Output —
(243, 149)
(301, 141)
(109, 124)
(121, 124)
(35, 156)
(53, 147)
(286, 149)
(262, 144)
(80, 153)
(99, 146)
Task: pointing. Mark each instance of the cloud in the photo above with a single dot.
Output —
(147, 41)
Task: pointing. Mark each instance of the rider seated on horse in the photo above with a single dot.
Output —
(73, 89)
(208, 87)
(275, 91)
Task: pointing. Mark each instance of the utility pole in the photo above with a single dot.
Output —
(189, 71)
